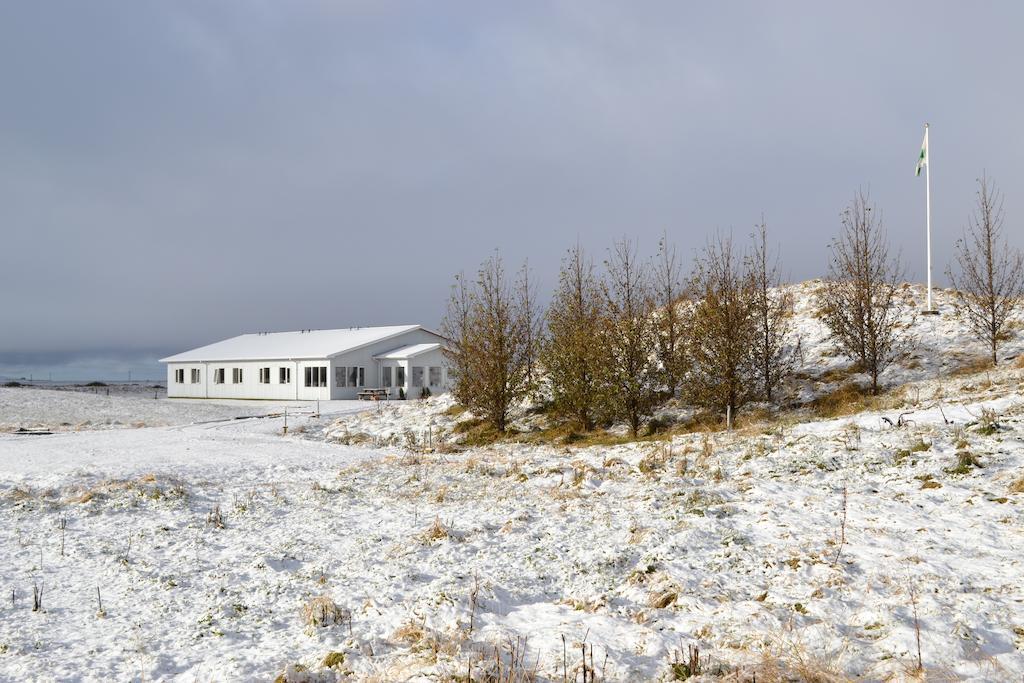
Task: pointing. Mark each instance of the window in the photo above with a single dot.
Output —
(353, 376)
(435, 377)
(236, 375)
(339, 377)
(284, 375)
(218, 376)
(179, 376)
(316, 376)
(417, 376)
(362, 377)
(264, 375)
(400, 376)
(195, 375)
(385, 379)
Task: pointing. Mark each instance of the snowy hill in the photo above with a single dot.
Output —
(362, 547)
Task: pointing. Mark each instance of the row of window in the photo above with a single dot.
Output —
(179, 376)
(316, 376)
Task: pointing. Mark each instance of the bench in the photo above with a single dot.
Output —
(373, 394)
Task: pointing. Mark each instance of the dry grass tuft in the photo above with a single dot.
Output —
(1017, 486)
(321, 611)
(423, 640)
(436, 532)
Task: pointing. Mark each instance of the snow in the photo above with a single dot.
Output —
(407, 352)
(290, 345)
(733, 542)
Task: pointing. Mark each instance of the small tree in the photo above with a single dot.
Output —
(574, 361)
(722, 329)
(669, 318)
(486, 324)
(533, 317)
(460, 353)
(859, 295)
(628, 334)
(772, 307)
(990, 283)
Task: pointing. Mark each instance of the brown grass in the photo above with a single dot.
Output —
(1017, 486)
(848, 399)
(972, 366)
(421, 639)
(477, 432)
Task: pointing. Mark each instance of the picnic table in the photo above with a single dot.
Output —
(373, 394)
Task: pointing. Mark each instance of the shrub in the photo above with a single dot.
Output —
(13, 385)
(425, 392)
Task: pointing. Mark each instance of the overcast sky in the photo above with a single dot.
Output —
(172, 173)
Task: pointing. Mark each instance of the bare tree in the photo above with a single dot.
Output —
(991, 279)
(629, 335)
(533, 318)
(859, 295)
(772, 308)
(722, 329)
(486, 325)
(574, 361)
(460, 353)
(669, 319)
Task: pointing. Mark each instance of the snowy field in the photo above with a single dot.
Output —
(728, 542)
(794, 549)
(77, 409)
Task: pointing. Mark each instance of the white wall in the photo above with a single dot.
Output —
(250, 387)
(188, 389)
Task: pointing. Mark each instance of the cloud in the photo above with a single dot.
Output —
(174, 173)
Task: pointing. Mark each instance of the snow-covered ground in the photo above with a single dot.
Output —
(76, 410)
(207, 535)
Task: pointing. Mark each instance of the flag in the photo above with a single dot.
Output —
(922, 159)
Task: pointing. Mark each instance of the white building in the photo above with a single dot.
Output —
(312, 364)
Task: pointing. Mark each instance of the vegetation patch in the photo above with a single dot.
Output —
(334, 659)
(965, 462)
(1017, 486)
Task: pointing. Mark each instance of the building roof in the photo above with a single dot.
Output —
(407, 352)
(302, 345)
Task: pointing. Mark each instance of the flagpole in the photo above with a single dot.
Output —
(928, 210)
